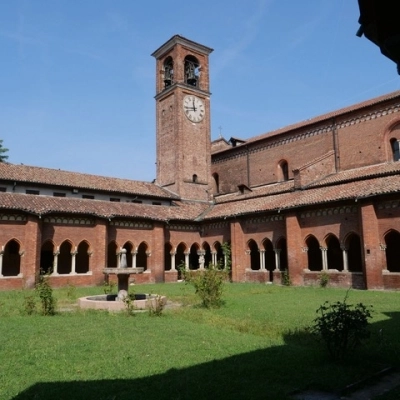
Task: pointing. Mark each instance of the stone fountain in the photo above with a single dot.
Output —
(116, 302)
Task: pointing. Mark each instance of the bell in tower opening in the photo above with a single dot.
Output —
(168, 72)
(191, 70)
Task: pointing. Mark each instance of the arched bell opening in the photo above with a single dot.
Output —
(192, 71)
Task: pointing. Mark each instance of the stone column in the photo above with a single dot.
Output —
(134, 254)
(324, 251)
(173, 266)
(73, 261)
(383, 249)
(214, 257)
(187, 260)
(201, 254)
(118, 258)
(277, 259)
(55, 261)
(262, 259)
(345, 259)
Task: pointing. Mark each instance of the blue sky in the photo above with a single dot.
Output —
(77, 81)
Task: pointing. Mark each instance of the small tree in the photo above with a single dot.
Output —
(343, 327)
(3, 150)
(45, 293)
(208, 283)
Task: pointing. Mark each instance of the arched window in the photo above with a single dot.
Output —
(220, 258)
(392, 240)
(180, 258)
(269, 257)
(215, 183)
(65, 258)
(314, 254)
(394, 144)
(283, 171)
(11, 259)
(168, 72)
(334, 254)
(194, 178)
(82, 258)
(254, 255)
(191, 70)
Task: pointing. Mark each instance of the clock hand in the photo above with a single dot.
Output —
(194, 107)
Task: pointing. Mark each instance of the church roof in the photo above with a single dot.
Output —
(321, 118)
(47, 205)
(77, 180)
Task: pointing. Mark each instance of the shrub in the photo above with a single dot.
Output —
(208, 284)
(324, 279)
(286, 278)
(156, 308)
(343, 327)
(45, 293)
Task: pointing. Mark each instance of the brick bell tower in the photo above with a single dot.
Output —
(183, 118)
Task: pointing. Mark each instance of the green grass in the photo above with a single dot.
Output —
(255, 346)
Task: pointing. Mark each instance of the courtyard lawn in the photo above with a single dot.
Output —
(256, 346)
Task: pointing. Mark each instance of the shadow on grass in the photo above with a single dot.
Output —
(271, 373)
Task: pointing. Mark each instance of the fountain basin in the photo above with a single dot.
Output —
(111, 303)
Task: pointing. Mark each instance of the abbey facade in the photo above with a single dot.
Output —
(321, 197)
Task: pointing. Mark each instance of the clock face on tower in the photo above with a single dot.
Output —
(194, 108)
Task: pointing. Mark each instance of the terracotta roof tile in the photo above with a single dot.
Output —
(42, 205)
(313, 196)
(54, 177)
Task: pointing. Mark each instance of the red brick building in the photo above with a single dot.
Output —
(320, 196)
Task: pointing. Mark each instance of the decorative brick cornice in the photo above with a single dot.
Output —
(131, 224)
(216, 225)
(260, 220)
(69, 220)
(265, 143)
(388, 204)
(13, 217)
(176, 227)
(328, 211)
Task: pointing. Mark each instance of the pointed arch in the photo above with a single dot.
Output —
(314, 255)
(207, 255)
(220, 257)
(11, 258)
(47, 257)
(215, 182)
(281, 246)
(334, 253)
(180, 255)
(392, 241)
(142, 255)
(129, 247)
(112, 255)
(82, 258)
(194, 256)
(65, 258)
(254, 255)
(282, 171)
(191, 68)
(354, 253)
(269, 257)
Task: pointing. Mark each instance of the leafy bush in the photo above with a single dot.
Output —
(45, 293)
(324, 279)
(343, 327)
(29, 304)
(108, 287)
(208, 284)
(285, 278)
